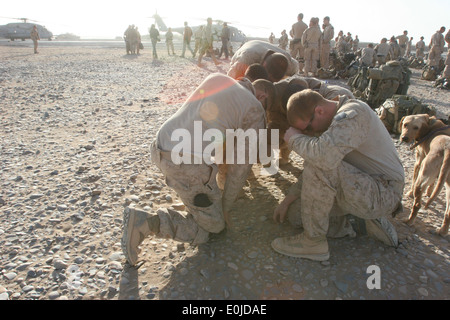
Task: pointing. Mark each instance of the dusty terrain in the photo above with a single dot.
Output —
(76, 126)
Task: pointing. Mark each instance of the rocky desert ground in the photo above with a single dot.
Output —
(76, 126)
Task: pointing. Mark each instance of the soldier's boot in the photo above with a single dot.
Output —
(136, 227)
(302, 246)
(382, 230)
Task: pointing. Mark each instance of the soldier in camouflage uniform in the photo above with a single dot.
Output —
(437, 44)
(310, 41)
(420, 48)
(403, 42)
(328, 35)
(219, 103)
(351, 166)
(297, 49)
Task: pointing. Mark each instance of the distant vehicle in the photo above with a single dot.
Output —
(67, 37)
(22, 30)
(236, 34)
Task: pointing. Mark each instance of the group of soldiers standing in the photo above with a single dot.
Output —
(203, 37)
(310, 45)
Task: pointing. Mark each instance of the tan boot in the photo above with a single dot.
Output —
(300, 246)
(136, 227)
(382, 230)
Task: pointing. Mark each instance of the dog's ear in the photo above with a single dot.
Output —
(400, 125)
(424, 127)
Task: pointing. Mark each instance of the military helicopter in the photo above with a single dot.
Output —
(21, 30)
(236, 34)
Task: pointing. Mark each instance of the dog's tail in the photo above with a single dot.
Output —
(443, 174)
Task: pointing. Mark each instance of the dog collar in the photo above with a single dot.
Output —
(429, 135)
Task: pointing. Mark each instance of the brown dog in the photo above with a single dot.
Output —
(432, 143)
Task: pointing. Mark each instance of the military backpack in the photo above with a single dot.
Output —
(394, 109)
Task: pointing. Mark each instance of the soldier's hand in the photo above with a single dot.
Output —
(290, 132)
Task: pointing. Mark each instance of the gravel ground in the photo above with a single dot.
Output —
(76, 125)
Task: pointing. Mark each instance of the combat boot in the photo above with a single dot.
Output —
(137, 226)
(301, 246)
(381, 229)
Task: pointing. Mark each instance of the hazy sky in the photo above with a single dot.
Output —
(370, 20)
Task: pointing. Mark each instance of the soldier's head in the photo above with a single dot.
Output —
(326, 20)
(276, 65)
(309, 112)
(300, 17)
(405, 32)
(185, 23)
(264, 92)
(421, 38)
(442, 30)
(256, 71)
(384, 40)
(370, 45)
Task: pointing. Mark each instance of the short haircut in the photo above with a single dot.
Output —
(276, 65)
(301, 105)
(291, 89)
(256, 71)
(268, 87)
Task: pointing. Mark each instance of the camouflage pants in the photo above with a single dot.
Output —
(325, 55)
(446, 73)
(197, 187)
(327, 196)
(434, 57)
(311, 58)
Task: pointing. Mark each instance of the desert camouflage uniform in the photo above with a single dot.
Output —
(198, 40)
(437, 48)
(235, 107)
(382, 51)
(310, 40)
(253, 52)
(277, 112)
(328, 35)
(446, 73)
(352, 168)
(420, 49)
(297, 49)
(402, 42)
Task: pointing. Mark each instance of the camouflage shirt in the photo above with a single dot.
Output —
(356, 136)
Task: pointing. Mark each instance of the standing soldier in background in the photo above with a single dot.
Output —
(408, 48)
(348, 42)
(402, 42)
(382, 50)
(35, 37)
(395, 50)
(437, 44)
(310, 41)
(420, 48)
(127, 42)
(340, 43)
(198, 40)
(284, 40)
(154, 37)
(271, 37)
(169, 41)
(297, 49)
(187, 35)
(327, 36)
(207, 43)
(356, 44)
(446, 73)
(225, 37)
